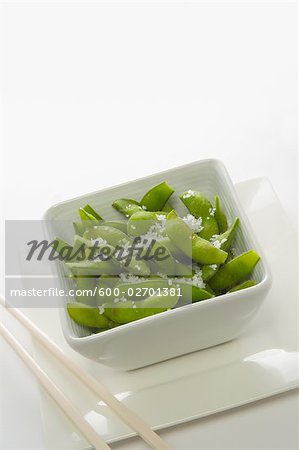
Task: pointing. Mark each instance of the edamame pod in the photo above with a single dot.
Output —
(119, 224)
(86, 249)
(123, 257)
(199, 206)
(63, 248)
(208, 271)
(202, 251)
(129, 311)
(79, 228)
(224, 241)
(197, 293)
(85, 290)
(87, 316)
(137, 267)
(244, 285)
(234, 271)
(111, 235)
(109, 280)
(163, 262)
(141, 221)
(167, 208)
(175, 251)
(93, 268)
(80, 241)
(220, 216)
(86, 216)
(95, 216)
(83, 283)
(127, 206)
(155, 198)
(89, 218)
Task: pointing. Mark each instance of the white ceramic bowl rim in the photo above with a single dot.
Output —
(261, 286)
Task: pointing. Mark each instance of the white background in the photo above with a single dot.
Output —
(97, 93)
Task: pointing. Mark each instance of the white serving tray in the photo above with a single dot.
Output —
(261, 363)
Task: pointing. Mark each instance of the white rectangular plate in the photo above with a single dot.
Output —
(261, 363)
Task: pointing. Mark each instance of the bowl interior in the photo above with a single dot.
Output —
(207, 176)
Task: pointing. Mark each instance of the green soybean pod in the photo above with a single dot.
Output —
(167, 208)
(87, 208)
(209, 290)
(87, 217)
(93, 268)
(163, 262)
(85, 290)
(108, 280)
(63, 248)
(81, 249)
(79, 228)
(136, 267)
(87, 316)
(175, 251)
(220, 216)
(123, 244)
(199, 206)
(156, 198)
(244, 285)
(197, 293)
(225, 240)
(202, 251)
(127, 206)
(234, 271)
(111, 235)
(119, 224)
(83, 283)
(208, 271)
(141, 221)
(125, 312)
(129, 311)
(227, 237)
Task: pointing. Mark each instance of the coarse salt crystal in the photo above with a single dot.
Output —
(193, 223)
(216, 243)
(128, 278)
(98, 241)
(196, 280)
(188, 194)
(162, 275)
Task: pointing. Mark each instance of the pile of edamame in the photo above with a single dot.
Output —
(152, 260)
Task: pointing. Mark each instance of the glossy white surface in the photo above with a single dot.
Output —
(265, 358)
(182, 330)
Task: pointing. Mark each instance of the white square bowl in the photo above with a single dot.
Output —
(185, 329)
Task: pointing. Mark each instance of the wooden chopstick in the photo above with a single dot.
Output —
(134, 421)
(91, 435)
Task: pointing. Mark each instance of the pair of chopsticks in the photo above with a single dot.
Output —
(129, 417)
